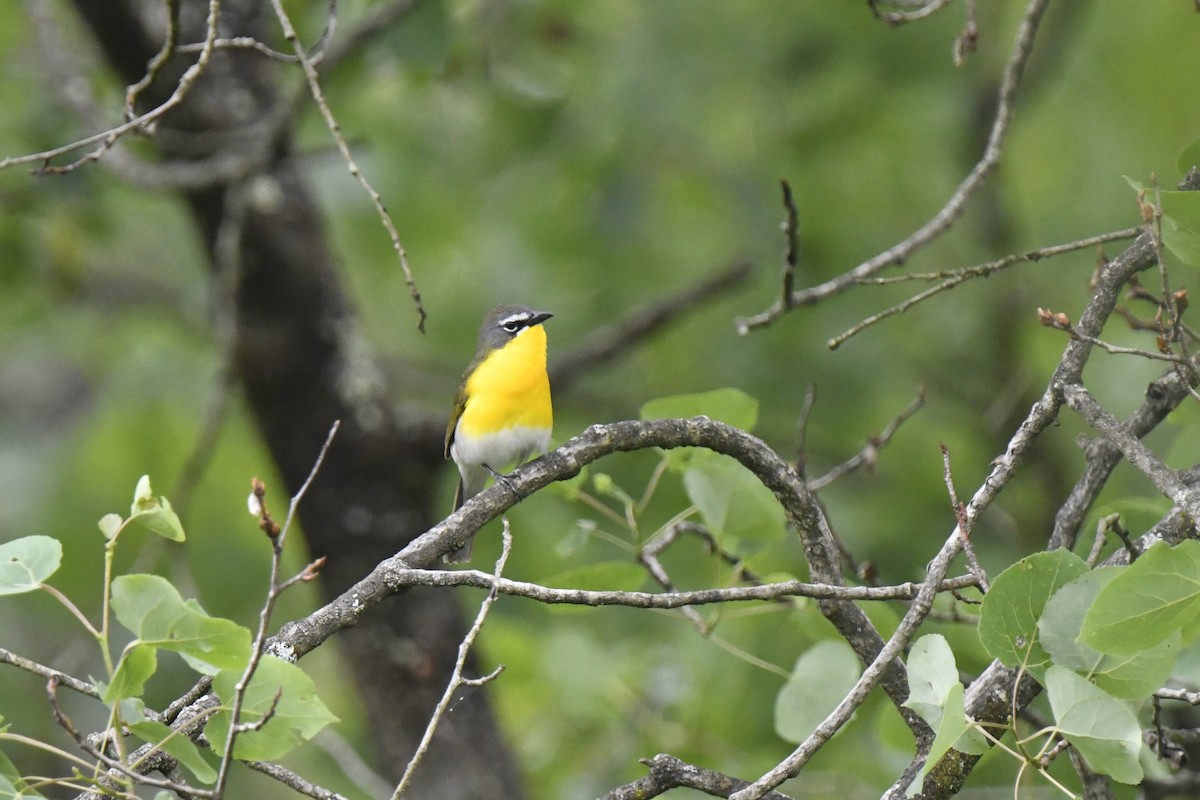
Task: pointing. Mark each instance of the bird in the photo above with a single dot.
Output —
(502, 411)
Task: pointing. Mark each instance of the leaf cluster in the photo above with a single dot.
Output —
(278, 707)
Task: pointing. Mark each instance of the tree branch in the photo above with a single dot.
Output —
(871, 676)
(1165, 479)
(1022, 47)
(405, 578)
(668, 772)
(990, 698)
(803, 513)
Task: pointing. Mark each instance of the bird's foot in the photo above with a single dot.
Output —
(504, 481)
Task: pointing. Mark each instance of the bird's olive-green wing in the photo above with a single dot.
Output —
(460, 403)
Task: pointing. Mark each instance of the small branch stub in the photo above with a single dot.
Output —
(1055, 319)
(257, 503)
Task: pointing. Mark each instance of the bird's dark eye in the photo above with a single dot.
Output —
(511, 325)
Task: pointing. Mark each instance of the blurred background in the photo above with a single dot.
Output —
(593, 160)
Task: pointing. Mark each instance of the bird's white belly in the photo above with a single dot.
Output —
(502, 448)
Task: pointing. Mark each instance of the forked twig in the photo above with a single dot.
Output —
(946, 216)
(106, 139)
(953, 277)
(869, 454)
(960, 517)
(456, 675)
(278, 537)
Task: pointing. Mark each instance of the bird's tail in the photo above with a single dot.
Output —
(462, 493)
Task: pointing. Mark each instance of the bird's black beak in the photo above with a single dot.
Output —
(539, 317)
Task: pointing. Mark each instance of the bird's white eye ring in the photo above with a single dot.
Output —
(511, 325)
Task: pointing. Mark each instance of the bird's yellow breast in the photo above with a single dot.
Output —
(510, 387)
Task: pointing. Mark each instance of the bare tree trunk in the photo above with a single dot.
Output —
(295, 353)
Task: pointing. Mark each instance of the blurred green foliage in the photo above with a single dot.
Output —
(590, 159)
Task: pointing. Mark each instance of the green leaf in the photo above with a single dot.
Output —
(1100, 726)
(731, 406)
(154, 513)
(1130, 677)
(26, 562)
(954, 732)
(110, 525)
(209, 643)
(1180, 220)
(11, 781)
(155, 612)
(1008, 618)
(936, 694)
(298, 716)
(145, 603)
(932, 673)
(181, 747)
(731, 499)
(1153, 597)
(162, 521)
(1181, 225)
(952, 727)
(138, 663)
(823, 675)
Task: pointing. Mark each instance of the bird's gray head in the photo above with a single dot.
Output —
(505, 322)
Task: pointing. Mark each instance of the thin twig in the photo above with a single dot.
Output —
(404, 578)
(791, 229)
(968, 40)
(312, 474)
(1062, 322)
(170, 41)
(74, 684)
(316, 52)
(869, 454)
(960, 515)
(294, 781)
(946, 216)
(377, 19)
(953, 277)
(264, 619)
(335, 132)
(106, 139)
(899, 640)
(456, 675)
(1183, 695)
(648, 556)
(1165, 479)
(924, 9)
(60, 57)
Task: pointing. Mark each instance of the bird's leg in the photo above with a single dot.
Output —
(503, 479)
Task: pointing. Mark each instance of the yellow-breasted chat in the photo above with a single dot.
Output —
(502, 413)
